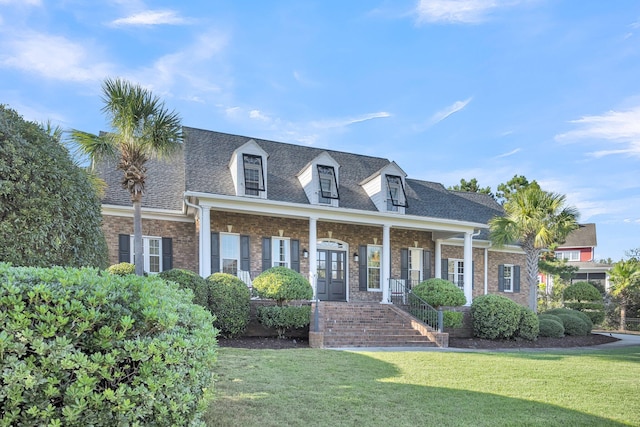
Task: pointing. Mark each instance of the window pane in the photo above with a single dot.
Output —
(280, 248)
(374, 255)
(322, 265)
(229, 253)
(373, 279)
(230, 266)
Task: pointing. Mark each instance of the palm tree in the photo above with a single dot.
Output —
(141, 128)
(535, 219)
(625, 282)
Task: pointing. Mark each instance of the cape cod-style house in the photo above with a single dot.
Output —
(357, 226)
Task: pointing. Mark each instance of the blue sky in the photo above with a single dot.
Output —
(449, 89)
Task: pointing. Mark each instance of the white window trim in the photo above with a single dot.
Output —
(504, 278)
(145, 253)
(369, 288)
(275, 251)
(222, 257)
(261, 190)
(333, 185)
(456, 276)
(420, 270)
(568, 255)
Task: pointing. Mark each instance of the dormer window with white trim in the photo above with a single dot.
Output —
(396, 196)
(253, 174)
(328, 185)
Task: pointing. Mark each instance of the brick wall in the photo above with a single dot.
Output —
(183, 234)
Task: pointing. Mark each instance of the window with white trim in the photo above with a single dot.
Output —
(507, 278)
(280, 252)
(456, 272)
(229, 253)
(415, 266)
(396, 196)
(568, 255)
(374, 258)
(151, 253)
(253, 174)
(328, 184)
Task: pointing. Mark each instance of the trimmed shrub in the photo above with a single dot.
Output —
(282, 284)
(230, 303)
(452, 319)
(122, 269)
(544, 315)
(586, 298)
(495, 317)
(529, 327)
(187, 279)
(440, 293)
(283, 318)
(581, 315)
(574, 325)
(551, 328)
(49, 210)
(83, 348)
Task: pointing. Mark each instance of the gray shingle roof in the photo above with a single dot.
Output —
(203, 166)
(582, 237)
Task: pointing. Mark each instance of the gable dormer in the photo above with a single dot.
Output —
(248, 166)
(386, 188)
(320, 180)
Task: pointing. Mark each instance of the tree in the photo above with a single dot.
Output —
(633, 253)
(472, 187)
(625, 284)
(506, 190)
(141, 128)
(49, 211)
(535, 219)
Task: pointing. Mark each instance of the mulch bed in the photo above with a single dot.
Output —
(273, 343)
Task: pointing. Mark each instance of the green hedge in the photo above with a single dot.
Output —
(78, 348)
(440, 293)
(586, 319)
(230, 303)
(551, 328)
(122, 269)
(529, 327)
(574, 325)
(452, 319)
(586, 298)
(282, 284)
(283, 318)
(495, 317)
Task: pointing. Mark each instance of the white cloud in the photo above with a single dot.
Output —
(53, 57)
(446, 112)
(338, 123)
(21, 2)
(510, 153)
(258, 115)
(152, 17)
(618, 127)
(458, 11)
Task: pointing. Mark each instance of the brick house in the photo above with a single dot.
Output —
(357, 226)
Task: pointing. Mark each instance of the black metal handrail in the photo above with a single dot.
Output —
(403, 297)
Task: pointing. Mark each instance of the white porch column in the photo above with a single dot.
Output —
(205, 242)
(468, 267)
(438, 255)
(385, 268)
(486, 271)
(313, 254)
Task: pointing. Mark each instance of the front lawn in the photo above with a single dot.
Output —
(333, 388)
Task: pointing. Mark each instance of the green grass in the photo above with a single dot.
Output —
(333, 388)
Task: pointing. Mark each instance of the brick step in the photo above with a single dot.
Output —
(378, 343)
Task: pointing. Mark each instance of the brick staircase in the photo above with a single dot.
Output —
(369, 324)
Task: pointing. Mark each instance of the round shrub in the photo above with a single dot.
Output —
(545, 315)
(440, 293)
(495, 317)
(529, 327)
(574, 325)
(283, 318)
(282, 284)
(83, 348)
(586, 298)
(551, 328)
(187, 279)
(581, 315)
(452, 319)
(230, 303)
(122, 269)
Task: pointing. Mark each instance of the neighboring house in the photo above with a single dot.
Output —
(357, 226)
(579, 251)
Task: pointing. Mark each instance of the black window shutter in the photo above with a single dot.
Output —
(124, 248)
(295, 255)
(516, 278)
(362, 267)
(404, 265)
(426, 265)
(167, 253)
(244, 253)
(215, 252)
(444, 267)
(266, 253)
(501, 278)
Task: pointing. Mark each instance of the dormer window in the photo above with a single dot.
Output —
(328, 184)
(396, 195)
(253, 174)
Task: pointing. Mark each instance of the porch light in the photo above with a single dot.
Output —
(305, 253)
(355, 257)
